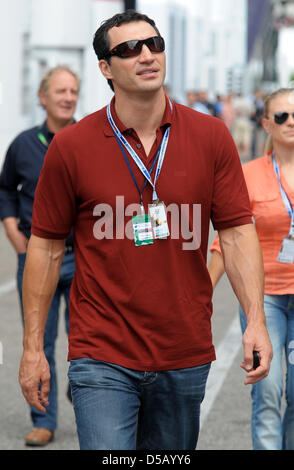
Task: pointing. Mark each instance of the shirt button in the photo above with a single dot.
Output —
(139, 146)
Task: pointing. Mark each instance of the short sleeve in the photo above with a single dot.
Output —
(54, 208)
(230, 202)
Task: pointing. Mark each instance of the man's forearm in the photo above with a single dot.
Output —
(244, 266)
(40, 279)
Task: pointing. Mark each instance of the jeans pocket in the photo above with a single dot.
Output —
(81, 371)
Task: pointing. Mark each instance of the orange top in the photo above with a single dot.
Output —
(272, 222)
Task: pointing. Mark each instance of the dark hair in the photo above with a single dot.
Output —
(101, 40)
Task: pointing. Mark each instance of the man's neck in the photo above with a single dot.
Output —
(55, 126)
(142, 113)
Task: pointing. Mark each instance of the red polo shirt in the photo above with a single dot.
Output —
(147, 307)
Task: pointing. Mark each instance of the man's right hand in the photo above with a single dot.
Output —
(34, 378)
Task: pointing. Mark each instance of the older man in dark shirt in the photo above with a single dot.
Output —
(58, 94)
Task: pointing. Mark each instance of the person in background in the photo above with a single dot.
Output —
(242, 126)
(202, 104)
(228, 111)
(198, 102)
(258, 133)
(270, 182)
(218, 106)
(58, 94)
(191, 97)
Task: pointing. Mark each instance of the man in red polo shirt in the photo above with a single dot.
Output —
(140, 181)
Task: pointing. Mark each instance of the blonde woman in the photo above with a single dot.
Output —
(270, 182)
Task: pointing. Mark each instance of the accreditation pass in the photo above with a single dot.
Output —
(286, 254)
(142, 228)
(159, 220)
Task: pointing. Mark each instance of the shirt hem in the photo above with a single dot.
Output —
(278, 292)
(135, 365)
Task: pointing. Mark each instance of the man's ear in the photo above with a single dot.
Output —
(42, 97)
(105, 69)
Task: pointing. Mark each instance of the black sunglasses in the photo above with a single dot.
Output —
(134, 47)
(282, 117)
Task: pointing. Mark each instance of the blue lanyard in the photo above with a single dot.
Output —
(285, 196)
(162, 149)
(131, 171)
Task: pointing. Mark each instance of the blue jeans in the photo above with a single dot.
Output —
(123, 409)
(49, 419)
(271, 431)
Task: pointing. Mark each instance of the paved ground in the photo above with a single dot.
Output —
(226, 426)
